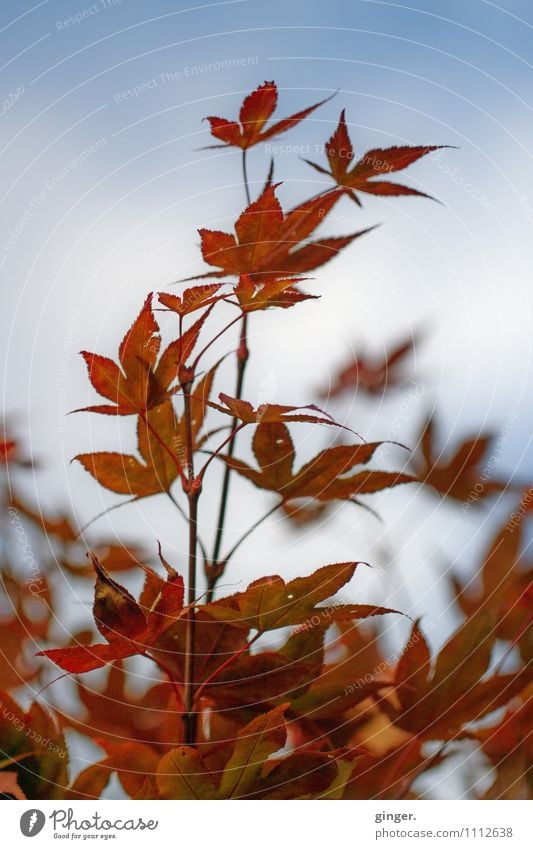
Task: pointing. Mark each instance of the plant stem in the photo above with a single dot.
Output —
(242, 359)
(245, 177)
(193, 493)
(183, 513)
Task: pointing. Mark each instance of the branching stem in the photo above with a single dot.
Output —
(242, 359)
(193, 493)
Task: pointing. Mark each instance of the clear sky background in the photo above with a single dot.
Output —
(84, 236)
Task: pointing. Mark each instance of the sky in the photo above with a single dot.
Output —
(104, 185)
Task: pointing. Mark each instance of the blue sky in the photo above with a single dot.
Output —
(103, 188)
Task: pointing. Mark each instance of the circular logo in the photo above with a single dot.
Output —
(32, 822)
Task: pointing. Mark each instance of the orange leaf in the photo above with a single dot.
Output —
(255, 111)
(268, 244)
(320, 478)
(356, 177)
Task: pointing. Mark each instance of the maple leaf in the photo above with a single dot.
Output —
(438, 699)
(216, 642)
(343, 682)
(459, 477)
(125, 474)
(32, 747)
(182, 774)
(269, 677)
(10, 453)
(150, 716)
(270, 603)
(505, 583)
(268, 243)
(255, 111)
(8, 449)
(270, 413)
(122, 621)
(258, 740)
(25, 617)
(357, 177)
(192, 299)
(162, 438)
(144, 378)
(301, 775)
(61, 526)
(271, 293)
(322, 477)
(370, 375)
(9, 786)
(132, 761)
(387, 777)
(509, 747)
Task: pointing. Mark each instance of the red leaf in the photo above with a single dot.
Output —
(116, 613)
(458, 477)
(255, 111)
(357, 177)
(320, 478)
(192, 299)
(268, 245)
(372, 375)
(121, 620)
(157, 432)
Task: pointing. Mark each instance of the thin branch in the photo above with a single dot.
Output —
(242, 359)
(193, 492)
(245, 177)
(182, 513)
